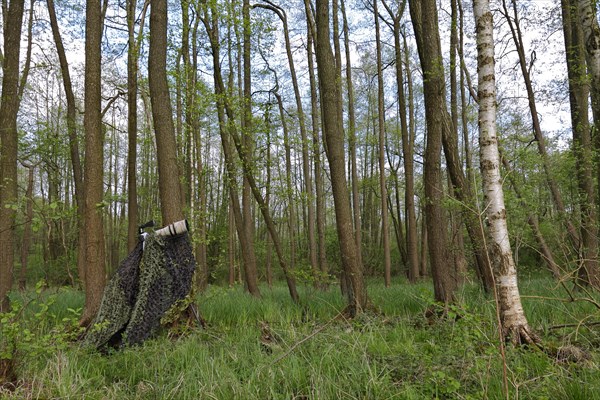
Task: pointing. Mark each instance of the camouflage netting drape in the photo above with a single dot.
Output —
(152, 278)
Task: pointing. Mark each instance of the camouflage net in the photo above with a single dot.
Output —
(151, 280)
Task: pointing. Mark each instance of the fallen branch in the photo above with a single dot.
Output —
(305, 339)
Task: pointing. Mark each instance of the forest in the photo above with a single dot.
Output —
(367, 199)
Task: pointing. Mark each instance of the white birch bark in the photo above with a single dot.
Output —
(512, 317)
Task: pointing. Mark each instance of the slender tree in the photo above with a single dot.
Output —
(210, 22)
(308, 185)
(385, 230)
(72, 133)
(316, 146)
(352, 135)
(9, 108)
(334, 138)
(407, 148)
(132, 120)
(235, 213)
(512, 317)
(247, 137)
(191, 133)
(94, 165)
(27, 230)
(579, 92)
(588, 18)
(288, 177)
(162, 116)
(425, 24)
(515, 27)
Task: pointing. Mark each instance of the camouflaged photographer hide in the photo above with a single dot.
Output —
(153, 277)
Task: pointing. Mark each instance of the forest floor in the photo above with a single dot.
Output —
(270, 348)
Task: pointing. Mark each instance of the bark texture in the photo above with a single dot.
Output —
(95, 279)
(579, 91)
(316, 145)
(424, 17)
(334, 139)
(352, 137)
(588, 19)
(385, 228)
(9, 107)
(162, 115)
(512, 317)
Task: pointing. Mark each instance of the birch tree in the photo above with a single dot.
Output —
(512, 317)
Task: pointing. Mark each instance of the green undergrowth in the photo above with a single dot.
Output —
(270, 348)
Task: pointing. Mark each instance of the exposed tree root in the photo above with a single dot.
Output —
(8, 376)
(351, 311)
(522, 335)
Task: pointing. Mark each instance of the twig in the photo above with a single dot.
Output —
(595, 323)
(549, 298)
(298, 343)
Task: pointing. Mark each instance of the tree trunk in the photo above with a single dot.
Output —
(27, 230)
(269, 243)
(385, 224)
(132, 122)
(248, 143)
(424, 265)
(588, 18)
(412, 239)
(222, 101)
(425, 24)
(457, 240)
(9, 108)
(162, 115)
(246, 166)
(589, 272)
(512, 317)
(94, 165)
(202, 215)
(225, 128)
(191, 133)
(352, 138)
(515, 27)
(463, 101)
(308, 185)
(289, 189)
(334, 138)
(316, 146)
(72, 133)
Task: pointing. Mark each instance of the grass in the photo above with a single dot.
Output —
(396, 353)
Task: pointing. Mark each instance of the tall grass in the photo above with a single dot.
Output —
(394, 353)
